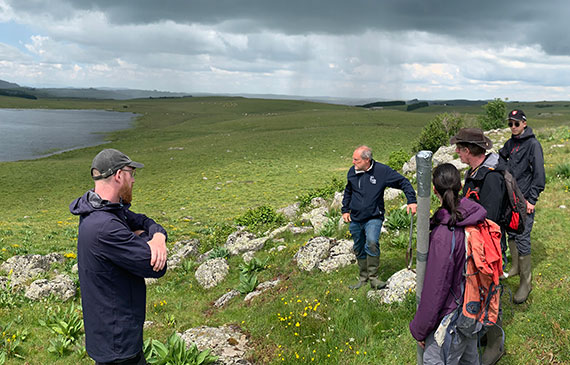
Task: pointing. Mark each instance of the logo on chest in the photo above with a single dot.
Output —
(372, 180)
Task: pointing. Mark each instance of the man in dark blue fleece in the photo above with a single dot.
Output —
(363, 207)
(116, 250)
(525, 161)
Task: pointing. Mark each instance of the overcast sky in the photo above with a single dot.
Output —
(390, 49)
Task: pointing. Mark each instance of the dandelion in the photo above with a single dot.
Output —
(297, 324)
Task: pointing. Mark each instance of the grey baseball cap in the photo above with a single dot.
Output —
(108, 161)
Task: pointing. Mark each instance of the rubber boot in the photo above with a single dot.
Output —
(514, 271)
(495, 348)
(362, 276)
(373, 265)
(525, 285)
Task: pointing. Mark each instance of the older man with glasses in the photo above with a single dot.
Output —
(116, 250)
(525, 161)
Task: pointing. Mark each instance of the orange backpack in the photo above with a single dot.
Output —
(483, 267)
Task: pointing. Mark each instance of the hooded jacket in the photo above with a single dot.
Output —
(364, 191)
(113, 263)
(444, 268)
(525, 161)
(488, 184)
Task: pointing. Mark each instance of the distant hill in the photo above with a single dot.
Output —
(15, 90)
(8, 85)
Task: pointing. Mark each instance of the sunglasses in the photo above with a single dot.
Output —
(517, 124)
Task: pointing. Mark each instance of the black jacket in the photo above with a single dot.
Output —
(487, 183)
(364, 192)
(525, 161)
(113, 263)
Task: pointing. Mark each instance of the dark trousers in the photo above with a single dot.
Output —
(138, 359)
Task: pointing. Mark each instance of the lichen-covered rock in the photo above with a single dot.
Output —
(391, 194)
(61, 286)
(23, 268)
(310, 255)
(248, 256)
(266, 285)
(280, 230)
(212, 272)
(340, 255)
(337, 201)
(301, 230)
(243, 241)
(318, 202)
(290, 212)
(397, 288)
(182, 250)
(226, 342)
(224, 299)
(317, 218)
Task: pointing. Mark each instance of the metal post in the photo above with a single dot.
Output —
(423, 163)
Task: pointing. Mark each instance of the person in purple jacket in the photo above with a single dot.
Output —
(444, 273)
(116, 250)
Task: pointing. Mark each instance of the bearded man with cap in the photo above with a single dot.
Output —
(525, 161)
(116, 250)
(484, 183)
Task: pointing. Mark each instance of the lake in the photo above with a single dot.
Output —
(32, 133)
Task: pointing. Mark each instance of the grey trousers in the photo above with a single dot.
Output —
(463, 350)
(523, 240)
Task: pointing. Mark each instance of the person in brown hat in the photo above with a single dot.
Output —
(525, 161)
(484, 183)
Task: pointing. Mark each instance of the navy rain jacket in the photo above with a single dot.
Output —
(364, 192)
(113, 263)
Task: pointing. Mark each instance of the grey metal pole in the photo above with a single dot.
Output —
(423, 164)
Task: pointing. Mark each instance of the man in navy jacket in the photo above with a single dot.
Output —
(116, 250)
(363, 207)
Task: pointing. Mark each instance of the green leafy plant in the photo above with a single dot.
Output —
(261, 217)
(398, 158)
(170, 319)
(175, 352)
(562, 171)
(253, 266)
(397, 219)
(67, 324)
(438, 131)
(494, 117)
(247, 283)
(219, 252)
(324, 192)
(11, 343)
(8, 297)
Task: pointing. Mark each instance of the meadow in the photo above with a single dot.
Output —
(210, 160)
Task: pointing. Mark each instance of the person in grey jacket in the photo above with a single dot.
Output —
(525, 161)
(116, 250)
(363, 208)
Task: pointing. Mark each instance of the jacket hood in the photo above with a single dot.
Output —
(471, 212)
(90, 202)
(527, 133)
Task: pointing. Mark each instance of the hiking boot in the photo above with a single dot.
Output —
(514, 271)
(525, 285)
(373, 264)
(495, 348)
(362, 276)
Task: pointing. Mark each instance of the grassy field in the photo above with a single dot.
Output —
(209, 160)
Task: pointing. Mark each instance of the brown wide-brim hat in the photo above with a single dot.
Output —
(474, 136)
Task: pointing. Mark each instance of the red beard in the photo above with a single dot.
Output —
(126, 193)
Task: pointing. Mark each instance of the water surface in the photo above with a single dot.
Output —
(32, 133)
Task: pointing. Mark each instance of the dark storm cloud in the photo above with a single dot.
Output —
(517, 22)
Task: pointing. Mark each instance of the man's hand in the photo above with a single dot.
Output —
(529, 208)
(422, 344)
(412, 208)
(346, 217)
(157, 251)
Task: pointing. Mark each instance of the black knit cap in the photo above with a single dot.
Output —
(109, 161)
(517, 115)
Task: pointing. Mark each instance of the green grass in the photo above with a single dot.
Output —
(267, 153)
